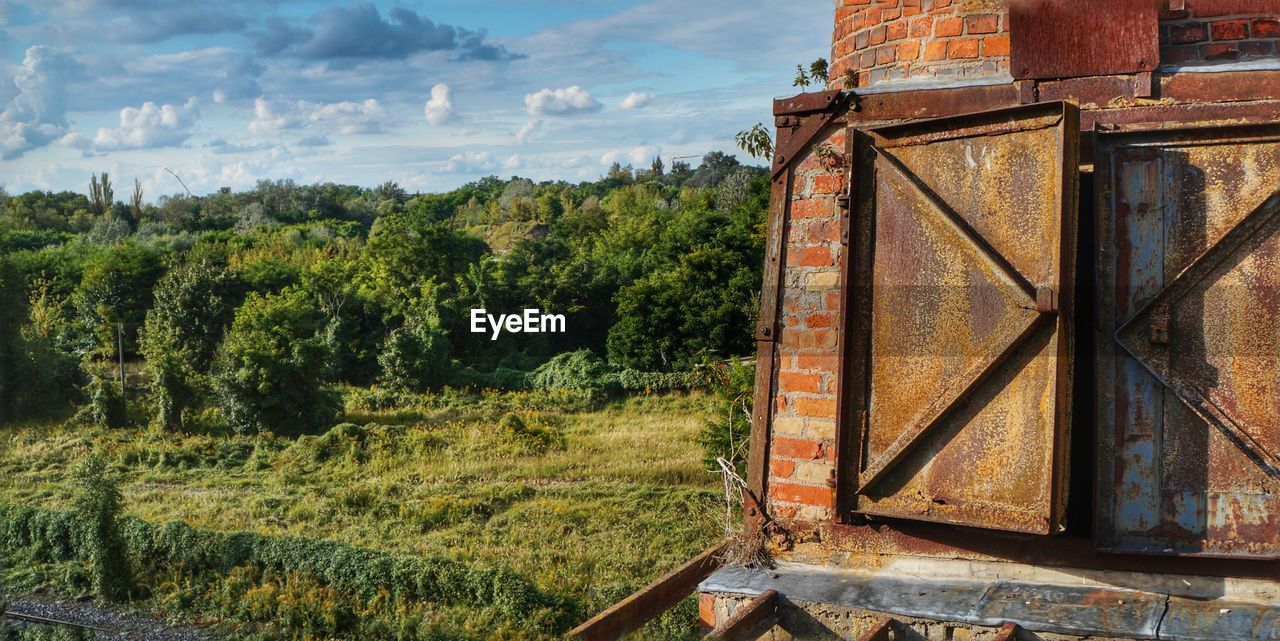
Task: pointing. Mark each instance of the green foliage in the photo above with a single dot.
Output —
(251, 562)
(756, 141)
(103, 406)
(415, 357)
(117, 288)
(728, 435)
(193, 306)
(269, 373)
(580, 370)
(44, 633)
(97, 514)
(13, 362)
(818, 71)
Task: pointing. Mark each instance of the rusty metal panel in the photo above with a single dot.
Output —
(967, 282)
(1077, 38)
(1189, 342)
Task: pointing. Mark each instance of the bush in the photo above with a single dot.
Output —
(415, 357)
(97, 512)
(176, 551)
(269, 374)
(580, 370)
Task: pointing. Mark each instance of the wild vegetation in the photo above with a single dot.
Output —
(310, 443)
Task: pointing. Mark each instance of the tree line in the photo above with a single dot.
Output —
(249, 306)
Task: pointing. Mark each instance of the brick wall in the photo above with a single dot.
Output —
(804, 428)
(1208, 31)
(886, 40)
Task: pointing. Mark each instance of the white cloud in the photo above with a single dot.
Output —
(342, 117)
(439, 109)
(150, 126)
(635, 100)
(472, 162)
(561, 102)
(36, 115)
(636, 156)
(522, 136)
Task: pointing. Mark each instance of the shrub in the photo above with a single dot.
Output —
(415, 357)
(580, 370)
(98, 511)
(268, 376)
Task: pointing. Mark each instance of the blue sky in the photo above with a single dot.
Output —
(431, 94)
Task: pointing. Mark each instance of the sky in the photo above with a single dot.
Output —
(431, 94)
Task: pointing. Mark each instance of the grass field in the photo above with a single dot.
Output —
(586, 502)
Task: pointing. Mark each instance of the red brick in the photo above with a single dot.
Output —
(981, 24)
(822, 362)
(824, 231)
(1258, 48)
(995, 46)
(935, 50)
(896, 30)
(886, 55)
(812, 208)
(780, 469)
(1179, 54)
(947, 27)
(796, 448)
(820, 320)
(1266, 28)
(815, 407)
(1190, 33)
(862, 39)
(1220, 52)
(800, 383)
(878, 35)
(808, 339)
(962, 49)
(909, 50)
(920, 27)
(810, 257)
(806, 494)
(828, 183)
(832, 301)
(1230, 30)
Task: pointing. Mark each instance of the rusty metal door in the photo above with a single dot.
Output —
(962, 274)
(1189, 342)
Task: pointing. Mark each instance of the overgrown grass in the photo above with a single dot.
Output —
(585, 504)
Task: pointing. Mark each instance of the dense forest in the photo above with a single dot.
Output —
(246, 309)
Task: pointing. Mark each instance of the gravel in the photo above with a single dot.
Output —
(127, 625)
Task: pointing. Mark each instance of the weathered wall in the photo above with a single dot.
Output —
(1218, 31)
(804, 428)
(887, 40)
(893, 40)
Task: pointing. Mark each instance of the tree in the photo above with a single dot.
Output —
(415, 357)
(269, 373)
(101, 195)
(98, 509)
(193, 307)
(13, 363)
(117, 288)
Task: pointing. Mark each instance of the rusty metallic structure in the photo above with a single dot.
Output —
(1048, 406)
